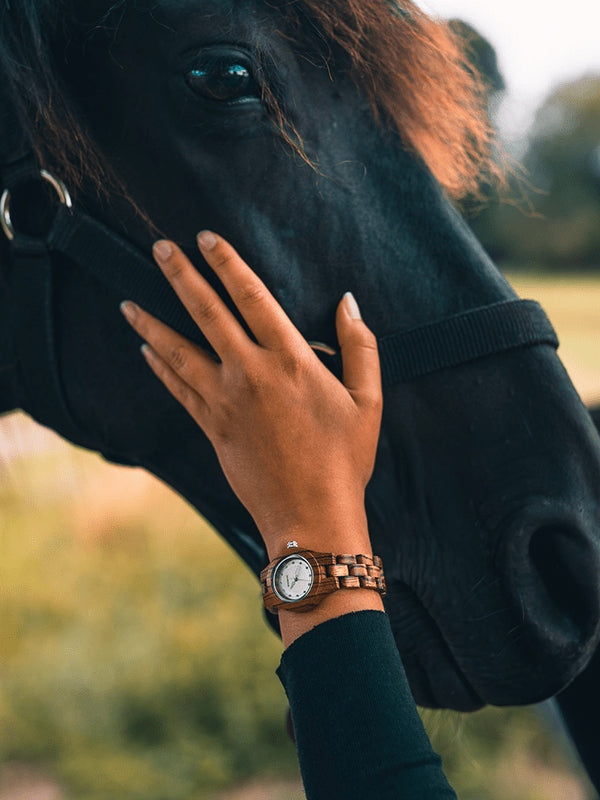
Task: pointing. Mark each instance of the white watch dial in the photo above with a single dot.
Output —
(293, 579)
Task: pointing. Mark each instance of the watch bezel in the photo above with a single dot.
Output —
(276, 571)
(321, 586)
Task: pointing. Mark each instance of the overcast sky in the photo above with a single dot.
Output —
(539, 44)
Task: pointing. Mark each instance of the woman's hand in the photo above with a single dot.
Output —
(296, 445)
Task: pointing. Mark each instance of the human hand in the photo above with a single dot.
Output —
(296, 445)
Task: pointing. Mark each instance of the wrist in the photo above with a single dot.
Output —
(333, 525)
(345, 532)
(344, 601)
(307, 584)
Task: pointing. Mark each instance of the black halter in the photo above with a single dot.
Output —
(405, 355)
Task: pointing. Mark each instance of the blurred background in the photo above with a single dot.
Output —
(134, 661)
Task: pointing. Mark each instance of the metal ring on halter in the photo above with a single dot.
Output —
(59, 187)
(324, 348)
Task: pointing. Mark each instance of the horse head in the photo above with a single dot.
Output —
(323, 141)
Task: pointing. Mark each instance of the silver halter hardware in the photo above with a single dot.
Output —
(58, 186)
(323, 348)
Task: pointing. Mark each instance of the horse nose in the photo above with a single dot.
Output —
(553, 581)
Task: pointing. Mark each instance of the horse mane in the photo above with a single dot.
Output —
(49, 118)
(413, 69)
(419, 79)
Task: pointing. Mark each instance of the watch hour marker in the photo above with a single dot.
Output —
(293, 579)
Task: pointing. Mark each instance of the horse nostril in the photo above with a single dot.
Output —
(552, 579)
(564, 578)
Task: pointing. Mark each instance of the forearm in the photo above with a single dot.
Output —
(357, 730)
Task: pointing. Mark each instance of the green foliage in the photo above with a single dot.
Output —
(553, 219)
(135, 663)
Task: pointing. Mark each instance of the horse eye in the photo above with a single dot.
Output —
(223, 79)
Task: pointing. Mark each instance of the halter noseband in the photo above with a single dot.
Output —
(405, 354)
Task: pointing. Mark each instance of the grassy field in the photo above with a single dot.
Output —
(573, 305)
(123, 676)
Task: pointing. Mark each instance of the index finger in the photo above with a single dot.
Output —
(218, 324)
(264, 316)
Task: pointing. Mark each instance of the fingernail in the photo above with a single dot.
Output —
(147, 352)
(352, 308)
(129, 310)
(206, 240)
(162, 250)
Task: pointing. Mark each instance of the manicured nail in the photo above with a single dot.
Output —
(129, 310)
(147, 352)
(206, 240)
(162, 250)
(352, 308)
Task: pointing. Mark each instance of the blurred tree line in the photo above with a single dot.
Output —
(548, 217)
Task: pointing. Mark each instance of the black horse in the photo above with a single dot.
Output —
(252, 119)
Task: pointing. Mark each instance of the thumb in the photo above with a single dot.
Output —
(360, 356)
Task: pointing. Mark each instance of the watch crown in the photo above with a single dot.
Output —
(292, 544)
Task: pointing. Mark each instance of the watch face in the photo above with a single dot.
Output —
(293, 579)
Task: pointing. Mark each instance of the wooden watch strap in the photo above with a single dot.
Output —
(357, 572)
(330, 572)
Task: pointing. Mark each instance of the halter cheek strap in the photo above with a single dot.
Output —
(405, 355)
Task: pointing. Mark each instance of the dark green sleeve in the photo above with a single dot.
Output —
(357, 729)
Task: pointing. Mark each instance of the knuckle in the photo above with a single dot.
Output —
(187, 399)
(208, 310)
(251, 294)
(368, 340)
(292, 362)
(226, 414)
(249, 383)
(175, 268)
(366, 350)
(223, 257)
(223, 421)
(178, 357)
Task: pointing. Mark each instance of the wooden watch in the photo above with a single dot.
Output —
(299, 580)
